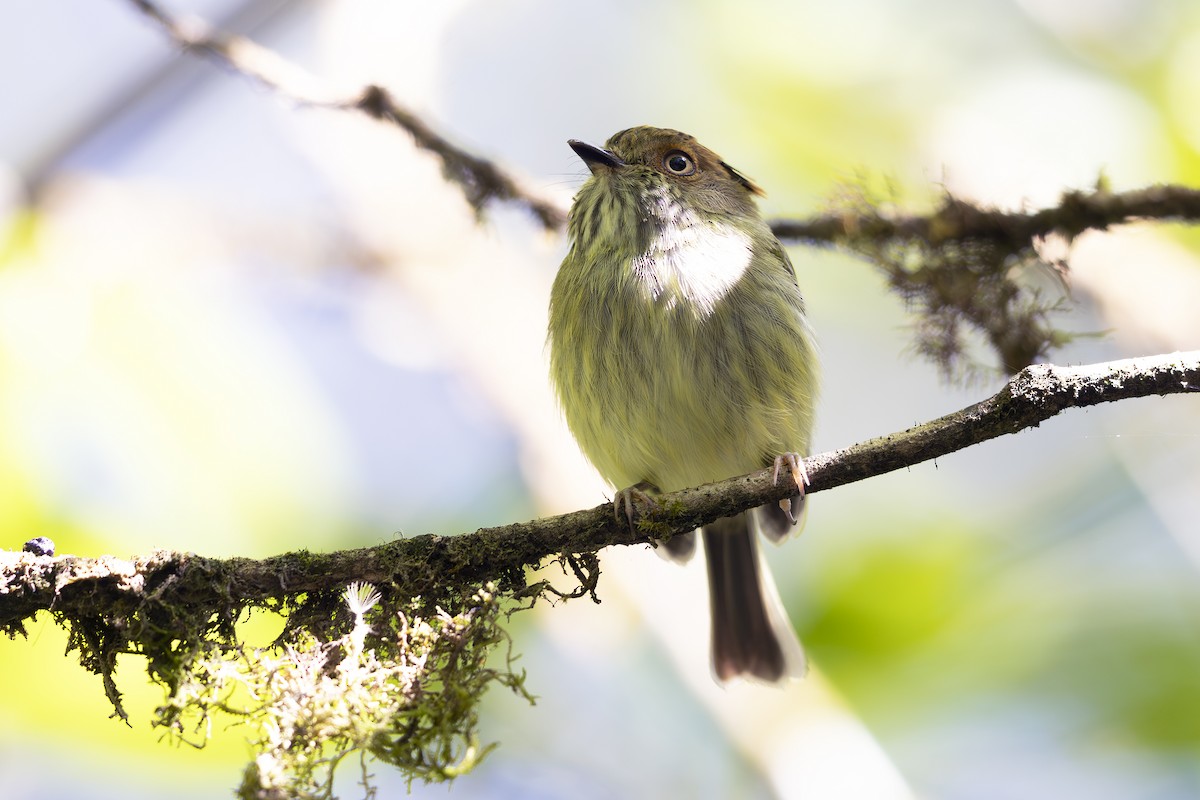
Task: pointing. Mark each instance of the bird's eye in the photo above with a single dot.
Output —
(678, 162)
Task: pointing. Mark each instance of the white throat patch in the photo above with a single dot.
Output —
(690, 259)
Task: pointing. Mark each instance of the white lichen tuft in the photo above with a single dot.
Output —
(409, 699)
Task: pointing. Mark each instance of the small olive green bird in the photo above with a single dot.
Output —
(681, 356)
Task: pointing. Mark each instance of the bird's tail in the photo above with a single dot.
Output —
(751, 633)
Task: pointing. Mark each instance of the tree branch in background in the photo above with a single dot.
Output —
(967, 273)
(481, 180)
(959, 220)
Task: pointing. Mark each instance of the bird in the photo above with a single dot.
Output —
(681, 354)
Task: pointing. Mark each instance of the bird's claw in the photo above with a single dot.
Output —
(786, 505)
(628, 500)
(796, 466)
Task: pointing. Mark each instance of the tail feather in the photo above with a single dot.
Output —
(751, 633)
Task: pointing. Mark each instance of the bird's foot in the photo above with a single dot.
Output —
(633, 501)
(795, 465)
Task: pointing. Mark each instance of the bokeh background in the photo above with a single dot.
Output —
(236, 326)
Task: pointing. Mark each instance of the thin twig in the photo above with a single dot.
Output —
(480, 180)
(958, 220)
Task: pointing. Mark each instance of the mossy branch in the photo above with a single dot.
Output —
(967, 272)
(430, 565)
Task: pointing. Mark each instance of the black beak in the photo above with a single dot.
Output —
(595, 156)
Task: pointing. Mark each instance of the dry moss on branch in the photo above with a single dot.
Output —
(970, 277)
(961, 292)
(973, 274)
(360, 674)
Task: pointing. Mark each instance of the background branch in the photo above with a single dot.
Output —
(958, 220)
(484, 181)
(428, 564)
(481, 180)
